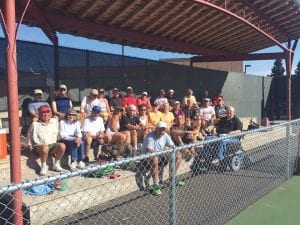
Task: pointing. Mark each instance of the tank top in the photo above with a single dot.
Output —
(144, 120)
(102, 105)
(62, 104)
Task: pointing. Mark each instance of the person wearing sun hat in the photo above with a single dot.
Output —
(70, 134)
(61, 103)
(43, 139)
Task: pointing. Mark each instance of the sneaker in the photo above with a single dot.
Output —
(179, 183)
(73, 165)
(215, 161)
(44, 170)
(86, 160)
(80, 165)
(57, 167)
(156, 189)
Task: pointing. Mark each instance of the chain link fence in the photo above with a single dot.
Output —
(227, 174)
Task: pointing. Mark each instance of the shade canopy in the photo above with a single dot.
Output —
(216, 27)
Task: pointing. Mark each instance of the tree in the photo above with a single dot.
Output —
(277, 69)
(297, 70)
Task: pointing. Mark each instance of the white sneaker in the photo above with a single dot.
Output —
(57, 167)
(215, 161)
(44, 170)
(73, 165)
(80, 165)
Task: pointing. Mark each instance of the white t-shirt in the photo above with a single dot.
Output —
(156, 143)
(93, 127)
(43, 134)
(207, 113)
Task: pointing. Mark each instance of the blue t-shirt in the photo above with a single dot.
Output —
(62, 104)
(152, 141)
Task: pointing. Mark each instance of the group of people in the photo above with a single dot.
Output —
(146, 124)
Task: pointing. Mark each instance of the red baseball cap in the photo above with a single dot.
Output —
(43, 108)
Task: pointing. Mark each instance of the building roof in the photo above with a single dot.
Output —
(187, 26)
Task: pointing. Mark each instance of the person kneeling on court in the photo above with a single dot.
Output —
(43, 137)
(156, 141)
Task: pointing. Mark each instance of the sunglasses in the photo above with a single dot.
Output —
(143, 109)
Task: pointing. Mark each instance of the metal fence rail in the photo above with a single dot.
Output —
(227, 174)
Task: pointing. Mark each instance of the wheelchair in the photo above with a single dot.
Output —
(220, 155)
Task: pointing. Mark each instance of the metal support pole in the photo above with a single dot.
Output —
(172, 191)
(13, 108)
(289, 149)
(87, 67)
(288, 63)
(123, 68)
(56, 63)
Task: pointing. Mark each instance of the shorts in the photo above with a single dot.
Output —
(51, 148)
(146, 164)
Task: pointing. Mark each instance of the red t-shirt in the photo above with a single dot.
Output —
(129, 100)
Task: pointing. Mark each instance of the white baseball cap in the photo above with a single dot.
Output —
(161, 124)
(63, 86)
(37, 91)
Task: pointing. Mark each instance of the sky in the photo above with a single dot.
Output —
(261, 68)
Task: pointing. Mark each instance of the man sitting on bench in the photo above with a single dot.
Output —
(43, 136)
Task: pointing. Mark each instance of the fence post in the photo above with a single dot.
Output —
(288, 147)
(172, 190)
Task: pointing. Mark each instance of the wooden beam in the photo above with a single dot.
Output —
(175, 18)
(122, 36)
(137, 13)
(111, 5)
(119, 12)
(85, 11)
(164, 15)
(150, 14)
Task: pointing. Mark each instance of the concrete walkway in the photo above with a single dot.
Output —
(279, 207)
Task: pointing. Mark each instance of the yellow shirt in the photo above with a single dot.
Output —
(168, 118)
(192, 98)
(154, 118)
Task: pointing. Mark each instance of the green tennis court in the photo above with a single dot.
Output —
(279, 207)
